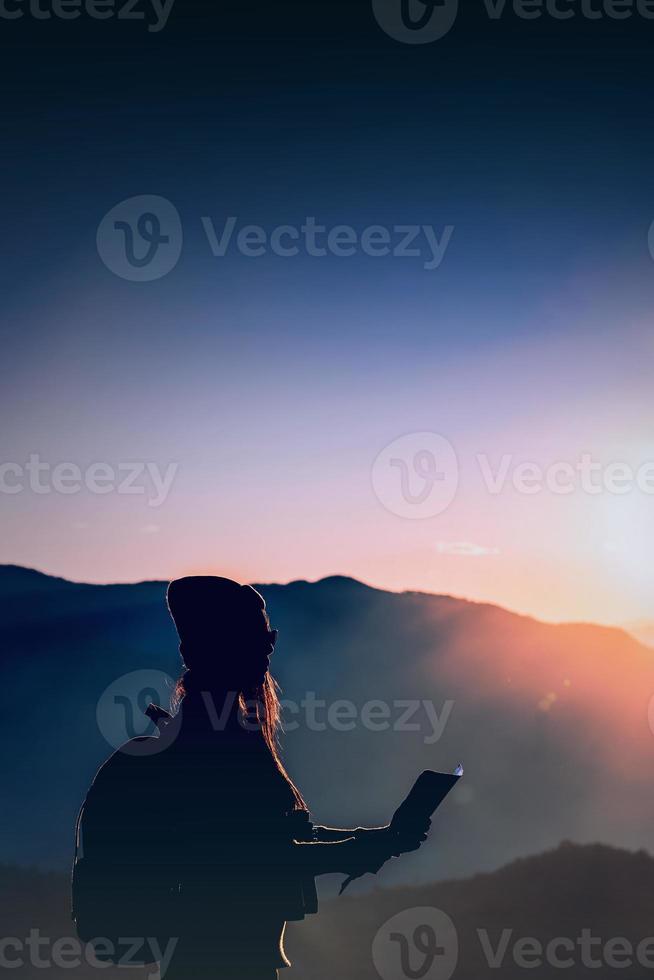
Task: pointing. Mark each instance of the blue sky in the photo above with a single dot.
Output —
(273, 383)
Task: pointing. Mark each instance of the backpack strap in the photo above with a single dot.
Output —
(79, 846)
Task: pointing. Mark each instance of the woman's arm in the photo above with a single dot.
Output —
(350, 855)
(351, 851)
(332, 835)
(383, 836)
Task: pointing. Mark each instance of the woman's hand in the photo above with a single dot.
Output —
(367, 851)
(410, 838)
(393, 843)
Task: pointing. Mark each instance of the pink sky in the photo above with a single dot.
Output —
(283, 489)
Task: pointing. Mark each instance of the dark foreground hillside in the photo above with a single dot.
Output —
(550, 899)
(554, 896)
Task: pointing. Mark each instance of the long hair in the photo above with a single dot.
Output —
(188, 600)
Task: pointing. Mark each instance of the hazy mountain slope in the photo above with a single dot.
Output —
(551, 722)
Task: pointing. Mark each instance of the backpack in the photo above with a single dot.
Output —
(120, 895)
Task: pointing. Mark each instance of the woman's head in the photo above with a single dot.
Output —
(225, 636)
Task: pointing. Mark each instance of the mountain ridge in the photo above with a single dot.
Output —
(329, 580)
(549, 720)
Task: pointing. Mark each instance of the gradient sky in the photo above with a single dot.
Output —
(274, 383)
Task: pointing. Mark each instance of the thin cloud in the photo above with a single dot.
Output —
(465, 549)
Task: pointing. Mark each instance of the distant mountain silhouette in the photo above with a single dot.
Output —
(551, 722)
(556, 894)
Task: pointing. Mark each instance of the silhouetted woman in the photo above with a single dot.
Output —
(224, 831)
